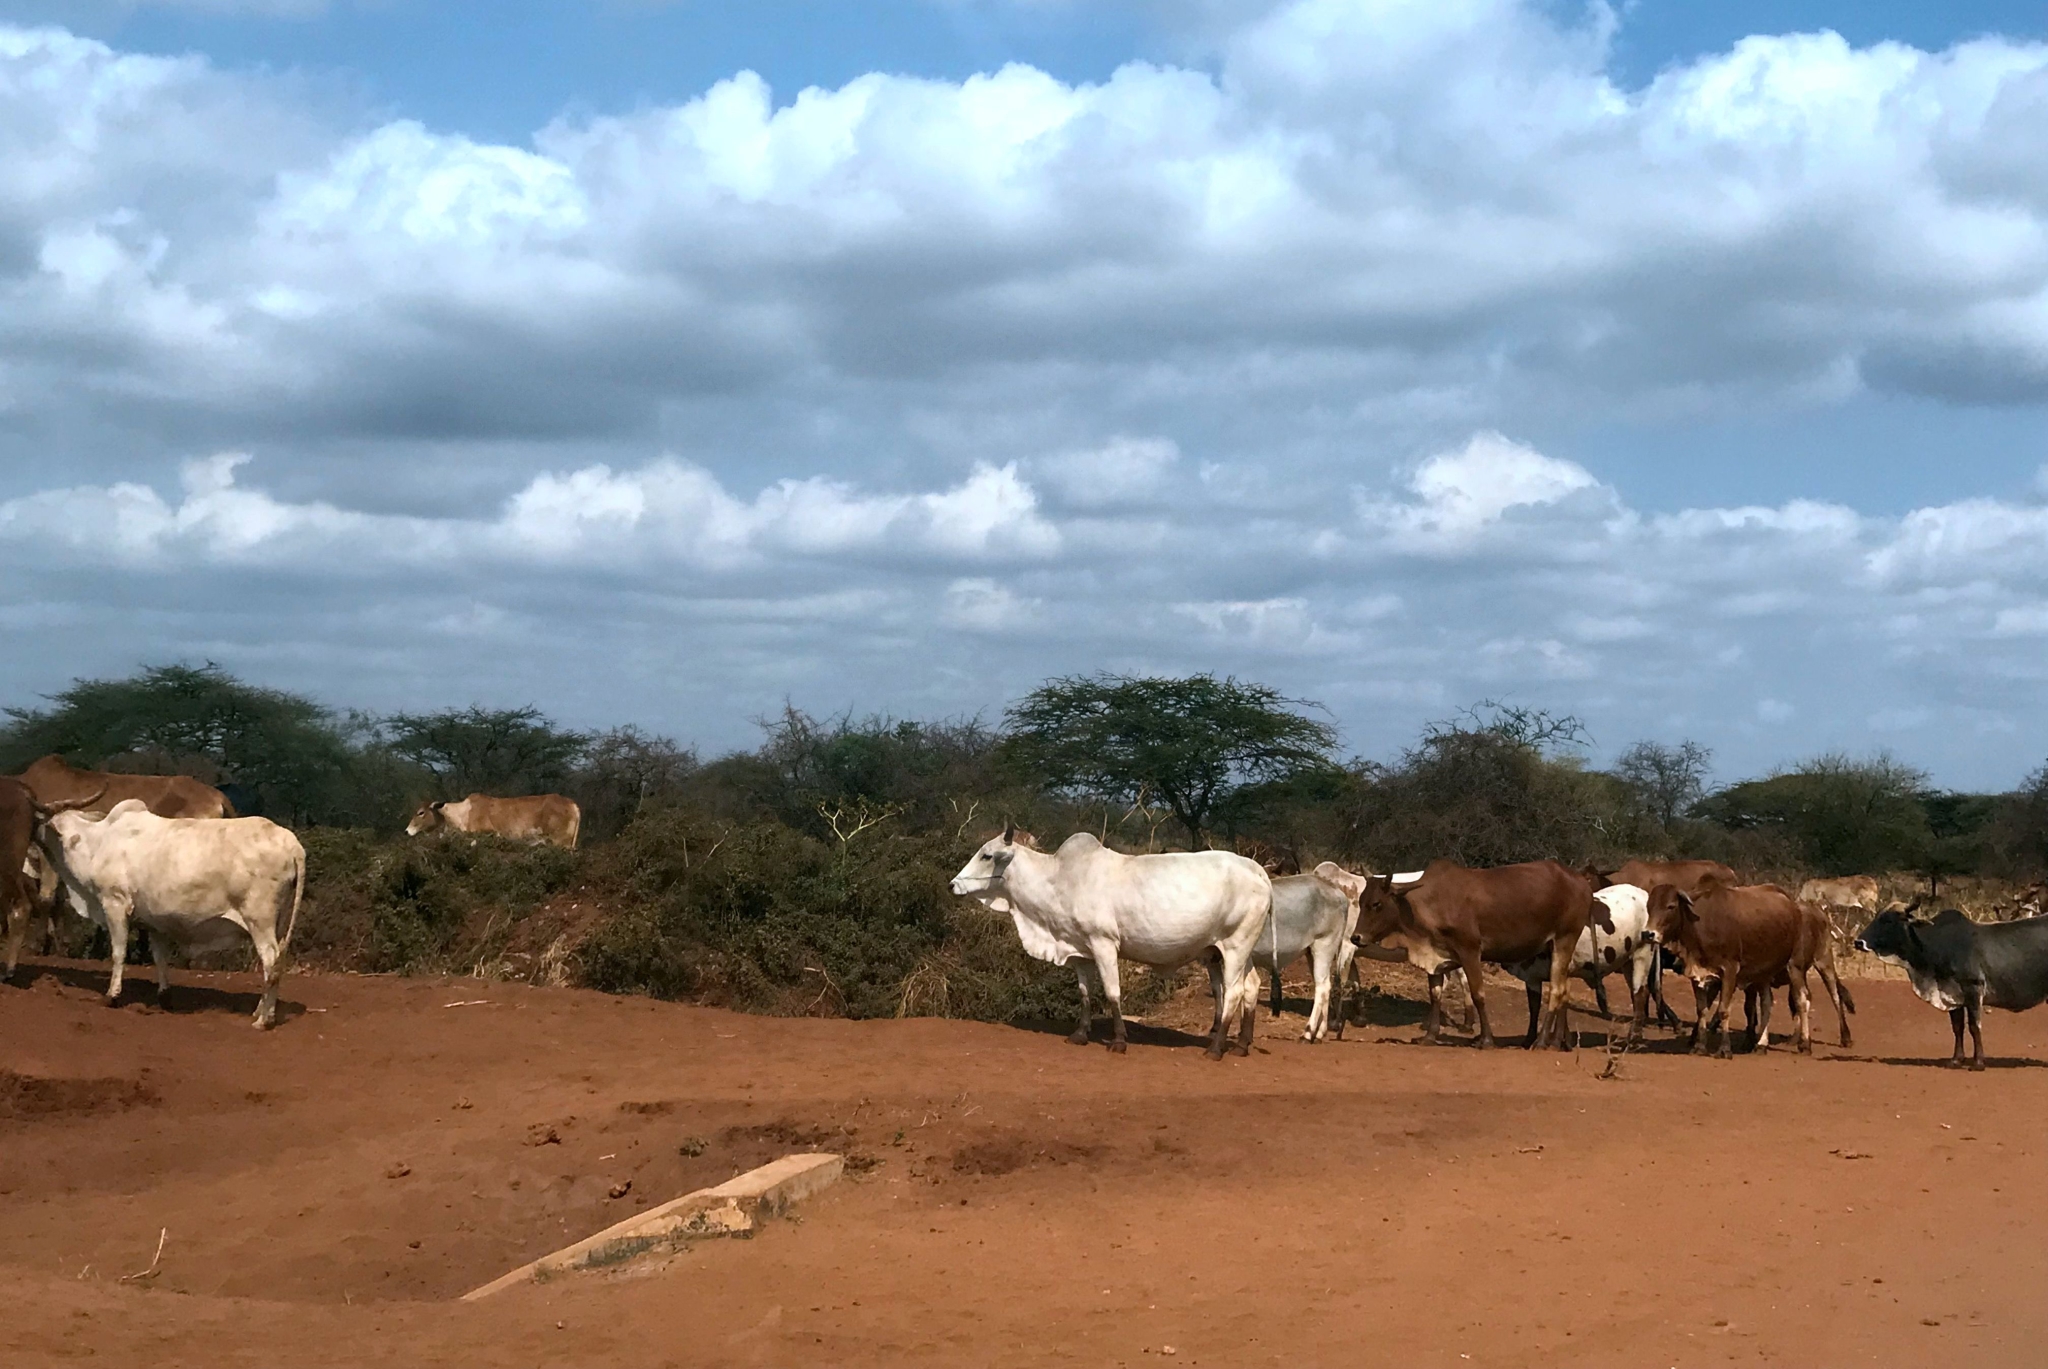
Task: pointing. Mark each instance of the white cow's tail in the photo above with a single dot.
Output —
(298, 893)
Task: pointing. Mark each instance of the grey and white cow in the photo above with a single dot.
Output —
(1311, 915)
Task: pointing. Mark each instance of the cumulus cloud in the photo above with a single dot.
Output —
(911, 392)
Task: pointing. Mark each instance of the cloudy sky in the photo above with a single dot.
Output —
(658, 362)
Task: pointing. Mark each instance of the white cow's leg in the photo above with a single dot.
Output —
(272, 958)
(117, 939)
(1214, 964)
(1080, 1033)
(1323, 959)
(1340, 983)
(1112, 993)
(160, 951)
(1240, 1009)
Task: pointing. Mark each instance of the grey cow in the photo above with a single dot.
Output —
(1310, 914)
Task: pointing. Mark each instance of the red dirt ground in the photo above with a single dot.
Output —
(330, 1187)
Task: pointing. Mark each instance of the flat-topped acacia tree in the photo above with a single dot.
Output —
(1193, 742)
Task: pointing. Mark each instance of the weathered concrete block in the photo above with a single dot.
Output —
(729, 1209)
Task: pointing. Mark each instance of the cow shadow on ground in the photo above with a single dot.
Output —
(1135, 1032)
(1935, 1062)
(138, 990)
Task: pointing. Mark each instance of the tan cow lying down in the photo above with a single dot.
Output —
(1850, 891)
(1509, 914)
(1749, 937)
(201, 883)
(57, 783)
(538, 818)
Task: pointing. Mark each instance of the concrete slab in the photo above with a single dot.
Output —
(730, 1209)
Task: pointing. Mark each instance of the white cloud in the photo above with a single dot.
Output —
(939, 365)
(1460, 493)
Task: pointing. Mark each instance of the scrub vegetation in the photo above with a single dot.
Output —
(808, 874)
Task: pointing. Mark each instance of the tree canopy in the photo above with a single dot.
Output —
(1191, 743)
(488, 750)
(181, 719)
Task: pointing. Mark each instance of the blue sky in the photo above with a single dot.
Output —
(1661, 366)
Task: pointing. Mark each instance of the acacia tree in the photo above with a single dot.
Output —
(282, 753)
(1191, 743)
(493, 750)
(1668, 780)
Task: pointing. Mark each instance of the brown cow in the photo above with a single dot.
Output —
(20, 815)
(1746, 936)
(1508, 914)
(56, 781)
(539, 818)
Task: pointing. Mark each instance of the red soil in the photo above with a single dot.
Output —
(330, 1187)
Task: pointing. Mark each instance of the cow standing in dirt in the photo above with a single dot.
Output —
(1085, 902)
(1508, 914)
(1748, 937)
(201, 883)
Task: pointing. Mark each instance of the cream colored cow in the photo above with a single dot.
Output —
(199, 883)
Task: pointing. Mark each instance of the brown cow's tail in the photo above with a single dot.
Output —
(1848, 999)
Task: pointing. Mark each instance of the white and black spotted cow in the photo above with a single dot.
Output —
(1629, 950)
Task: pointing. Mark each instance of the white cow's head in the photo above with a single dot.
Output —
(69, 838)
(983, 873)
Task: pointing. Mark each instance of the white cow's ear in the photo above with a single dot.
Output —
(1009, 833)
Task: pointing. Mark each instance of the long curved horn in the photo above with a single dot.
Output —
(45, 811)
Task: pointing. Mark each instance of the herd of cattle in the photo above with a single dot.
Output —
(169, 854)
(1087, 905)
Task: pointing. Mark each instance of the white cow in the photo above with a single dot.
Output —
(1630, 950)
(1086, 902)
(1315, 916)
(200, 882)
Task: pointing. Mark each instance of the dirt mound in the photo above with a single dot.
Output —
(25, 1096)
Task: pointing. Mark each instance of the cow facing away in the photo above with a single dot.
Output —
(1312, 916)
(1743, 937)
(1964, 967)
(57, 784)
(1850, 891)
(1085, 902)
(1507, 915)
(538, 818)
(202, 884)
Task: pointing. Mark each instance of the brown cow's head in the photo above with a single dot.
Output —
(1597, 877)
(427, 819)
(1379, 909)
(1670, 912)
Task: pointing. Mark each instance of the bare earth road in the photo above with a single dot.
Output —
(330, 1187)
